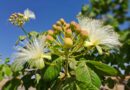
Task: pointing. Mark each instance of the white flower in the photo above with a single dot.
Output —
(31, 52)
(99, 34)
(29, 14)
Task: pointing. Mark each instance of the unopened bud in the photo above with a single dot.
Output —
(58, 23)
(54, 26)
(68, 42)
(68, 32)
(49, 38)
(84, 34)
(62, 21)
(73, 23)
(20, 15)
(50, 32)
(15, 15)
(11, 17)
(58, 28)
(67, 26)
(77, 28)
(20, 23)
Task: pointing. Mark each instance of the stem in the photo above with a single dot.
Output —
(61, 37)
(76, 47)
(57, 43)
(66, 63)
(58, 39)
(24, 32)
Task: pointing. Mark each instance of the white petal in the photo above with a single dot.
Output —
(98, 33)
(32, 53)
(29, 14)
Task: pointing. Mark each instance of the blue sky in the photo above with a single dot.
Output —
(47, 13)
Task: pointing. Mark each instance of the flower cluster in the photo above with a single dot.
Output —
(19, 19)
(66, 39)
(66, 35)
(88, 33)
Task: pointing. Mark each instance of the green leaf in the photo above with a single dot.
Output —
(7, 60)
(87, 78)
(7, 70)
(1, 76)
(52, 70)
(21, 38)
(33, 33)
(102, 68)
(67, 84)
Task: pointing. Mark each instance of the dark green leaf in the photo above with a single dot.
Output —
(52, 71)
(102, 68)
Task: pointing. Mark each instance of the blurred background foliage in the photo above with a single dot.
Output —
(117, 14)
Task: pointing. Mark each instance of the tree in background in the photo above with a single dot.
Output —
(117, 14)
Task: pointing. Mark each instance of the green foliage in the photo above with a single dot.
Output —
(115, 13)
(52, 71)
(101, 68)
(88, 78)
(5, 70)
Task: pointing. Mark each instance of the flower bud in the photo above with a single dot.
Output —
(62, 21)
(54, 27)
(68, 32)
(84, 34)
(68, 42)
(67, 26)
(73, 23)
(50, 32)
(77, 28)
(57, 28)
(49, 38)
(58, 23)
(20, 24)
(20, 15)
